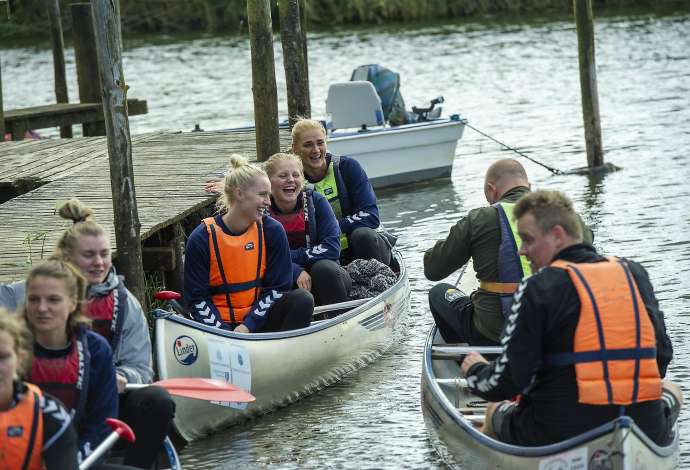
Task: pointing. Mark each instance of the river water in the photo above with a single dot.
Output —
(516, 79)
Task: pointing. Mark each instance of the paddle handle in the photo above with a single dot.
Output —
(129, 386)
(120, 430)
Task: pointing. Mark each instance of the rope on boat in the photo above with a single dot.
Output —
(553, 170)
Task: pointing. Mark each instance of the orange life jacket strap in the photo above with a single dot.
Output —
(498, 287)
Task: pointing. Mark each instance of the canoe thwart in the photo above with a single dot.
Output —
(456, 352)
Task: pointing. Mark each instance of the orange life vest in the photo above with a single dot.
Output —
(21, 445)
(615, 344)
(237, 266)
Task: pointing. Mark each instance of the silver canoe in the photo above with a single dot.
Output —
(452, 416)
(277, 368)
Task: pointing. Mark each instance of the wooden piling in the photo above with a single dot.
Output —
(584, 19)
(114, 95)
(263, 78)
(58, 43)
(303, 28)
(295, 65)
(2, 109)
(86, 62)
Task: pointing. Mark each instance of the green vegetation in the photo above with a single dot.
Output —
(28, 18)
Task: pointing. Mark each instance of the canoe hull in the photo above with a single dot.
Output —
(619, 446)
(277, 368)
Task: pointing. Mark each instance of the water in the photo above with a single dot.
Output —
(515, 80)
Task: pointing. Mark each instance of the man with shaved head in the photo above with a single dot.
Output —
(489, 236)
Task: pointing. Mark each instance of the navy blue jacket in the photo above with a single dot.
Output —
(101, 392)
(277, 279)
(324, 233)
(359, 207)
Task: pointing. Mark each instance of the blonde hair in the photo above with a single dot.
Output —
(84, 225)
(271, 164)
(75, 285)
(14, 325)
(549, 208)
(304, 125)
(241, 174)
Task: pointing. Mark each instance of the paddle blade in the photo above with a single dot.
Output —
(205, 389)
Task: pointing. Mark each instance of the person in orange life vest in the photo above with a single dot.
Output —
(36, 430)
(70, 361)
(312, 230)
(238, 273)
(570, 344)
(345, 184)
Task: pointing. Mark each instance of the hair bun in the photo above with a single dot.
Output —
(75, 211)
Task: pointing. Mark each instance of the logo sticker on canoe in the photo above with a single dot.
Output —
(185, 350)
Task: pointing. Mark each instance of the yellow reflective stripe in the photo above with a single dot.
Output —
(328, 188)
(508, 208)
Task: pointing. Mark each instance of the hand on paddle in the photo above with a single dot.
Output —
(241, 328)
(121, 383)
(470, 360)
(214, 186)
(304, 281)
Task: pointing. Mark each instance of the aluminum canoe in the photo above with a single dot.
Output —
(277, 368)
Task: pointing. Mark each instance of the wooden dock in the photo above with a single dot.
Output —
(169, 170)
(19, 121)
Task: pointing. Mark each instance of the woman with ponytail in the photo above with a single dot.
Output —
(238, 272)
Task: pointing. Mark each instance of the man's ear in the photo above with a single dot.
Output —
(559, 234)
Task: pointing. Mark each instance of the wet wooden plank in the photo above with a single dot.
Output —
(169, 173)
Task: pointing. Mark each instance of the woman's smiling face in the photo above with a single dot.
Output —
(286, 182)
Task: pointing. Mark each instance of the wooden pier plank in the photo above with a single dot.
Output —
(18, 121)
(169, 172)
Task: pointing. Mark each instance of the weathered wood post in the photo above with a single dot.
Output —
(2, 109)
(296, 79)
(303, 27)
(584, 18)
(106, 20)
(58, 58)
(263, 78)
(87, 62)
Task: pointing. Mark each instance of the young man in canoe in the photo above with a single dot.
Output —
(585, 341)
(489, 236)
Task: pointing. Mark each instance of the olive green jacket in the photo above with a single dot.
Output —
(478, 235)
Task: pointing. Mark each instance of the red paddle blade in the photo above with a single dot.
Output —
(205, 389)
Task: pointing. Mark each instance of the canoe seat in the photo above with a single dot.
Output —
(354, 105)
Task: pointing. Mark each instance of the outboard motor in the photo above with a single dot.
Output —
(387, 84)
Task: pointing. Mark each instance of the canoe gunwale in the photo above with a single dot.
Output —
(318, 326)
(540, 451)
